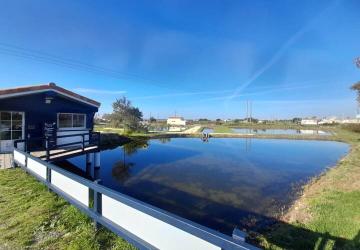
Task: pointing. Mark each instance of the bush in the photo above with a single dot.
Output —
(352, 127)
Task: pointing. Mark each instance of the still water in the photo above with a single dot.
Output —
(280, 131)
(222, 183)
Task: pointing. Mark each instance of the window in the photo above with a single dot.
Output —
(78, 120)
(11, 125)
(68, 120)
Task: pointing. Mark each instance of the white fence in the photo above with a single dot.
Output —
(145, 226)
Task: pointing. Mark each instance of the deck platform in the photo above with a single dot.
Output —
(64, 153)
(6, 161)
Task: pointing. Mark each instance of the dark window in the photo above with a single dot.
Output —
(78, 120)
(11, 125)
(65, 120)
(72, 120)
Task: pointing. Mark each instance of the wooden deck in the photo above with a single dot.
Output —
(64, 153)
(5, 161)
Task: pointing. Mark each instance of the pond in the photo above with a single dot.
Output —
(222, 183)
(280, 131)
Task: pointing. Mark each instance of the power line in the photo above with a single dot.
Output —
(69, 63)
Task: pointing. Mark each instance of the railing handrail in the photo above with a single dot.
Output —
(202, 232)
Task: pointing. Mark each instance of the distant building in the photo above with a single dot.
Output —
(176, 121)
(309, 122)
(350, 121)
(329, 120)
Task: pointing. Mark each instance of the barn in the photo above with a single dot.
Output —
(32, 111)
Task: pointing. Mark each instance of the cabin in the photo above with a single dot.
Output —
(35, 111)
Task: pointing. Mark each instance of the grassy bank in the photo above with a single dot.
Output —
(32, 217)
(327, 215)
(222, 129)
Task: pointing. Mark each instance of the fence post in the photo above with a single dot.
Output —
(83, 142)
(47, 148)
(98, 139)
(26, 145)
(88, 165)
(48, 176)
(97, 204)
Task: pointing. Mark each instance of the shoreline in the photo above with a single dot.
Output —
(325, 209)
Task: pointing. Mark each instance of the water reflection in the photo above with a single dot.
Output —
(280, 131)
(133, 146)
(220, 184)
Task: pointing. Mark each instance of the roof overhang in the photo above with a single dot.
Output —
(21, 91)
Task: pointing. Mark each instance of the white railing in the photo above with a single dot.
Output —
(144, 226)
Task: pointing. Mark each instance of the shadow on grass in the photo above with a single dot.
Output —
(288, 236)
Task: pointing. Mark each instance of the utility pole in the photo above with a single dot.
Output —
(250, 111)
(247, 110)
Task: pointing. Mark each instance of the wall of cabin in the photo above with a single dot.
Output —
(38, 112)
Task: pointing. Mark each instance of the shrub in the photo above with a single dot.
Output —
(352, 127)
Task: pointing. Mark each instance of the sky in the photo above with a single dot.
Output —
(197, 59)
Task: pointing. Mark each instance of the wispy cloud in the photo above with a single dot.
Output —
(175, 94)
(100, 91)
(283, 49)
(270, 89)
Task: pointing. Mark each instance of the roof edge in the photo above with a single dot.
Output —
(18, 91)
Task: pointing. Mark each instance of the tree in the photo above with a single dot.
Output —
(356, 87)
(152, 119)
(296, 120)
(125, 115)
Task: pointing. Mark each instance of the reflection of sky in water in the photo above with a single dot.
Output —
(280, 131)
(219, 183)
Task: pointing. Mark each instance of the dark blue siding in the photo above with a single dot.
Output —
(37, 112)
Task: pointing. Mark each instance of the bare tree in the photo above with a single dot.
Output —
(357, 62)
(356, 86)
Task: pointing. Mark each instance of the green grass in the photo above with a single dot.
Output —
(222, 129)
(33, 217)
(327, 216)
(108, 129)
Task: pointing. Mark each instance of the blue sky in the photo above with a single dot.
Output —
(196, 58)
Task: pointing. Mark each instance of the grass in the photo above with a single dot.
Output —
(327, 215)
(33, 217)
(222, 129)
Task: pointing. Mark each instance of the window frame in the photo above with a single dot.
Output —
(72, 121)
(11, 130)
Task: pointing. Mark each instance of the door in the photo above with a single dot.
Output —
(11, 129)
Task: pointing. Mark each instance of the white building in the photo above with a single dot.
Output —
(309, 122)
(350, 121)
(176, 121)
